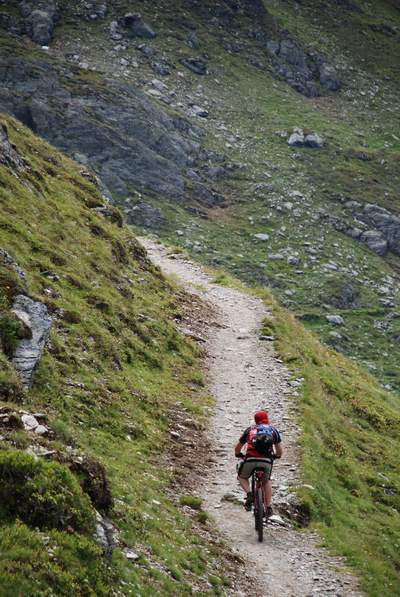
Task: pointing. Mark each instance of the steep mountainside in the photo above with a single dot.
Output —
(186, 113)
(263, 138)
(83, 426)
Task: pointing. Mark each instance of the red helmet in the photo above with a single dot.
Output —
(261, 416)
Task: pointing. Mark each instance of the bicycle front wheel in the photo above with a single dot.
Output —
(259, 515)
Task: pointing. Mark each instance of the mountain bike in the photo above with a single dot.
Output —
(257, 490)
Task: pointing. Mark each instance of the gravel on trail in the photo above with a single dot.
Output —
(244, 375)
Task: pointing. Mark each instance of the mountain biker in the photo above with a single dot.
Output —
(253, 459)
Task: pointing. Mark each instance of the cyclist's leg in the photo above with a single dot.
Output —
(267, 493)
(267, 487)
(244, 473)
(244, 484)
(243, 477)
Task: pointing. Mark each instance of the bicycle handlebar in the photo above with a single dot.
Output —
(273, 456)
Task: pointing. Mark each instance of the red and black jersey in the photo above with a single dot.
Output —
(251, 452)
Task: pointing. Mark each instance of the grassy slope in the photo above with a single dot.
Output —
(362, 117)
(351, 426)
(114, 362)
(350, 443)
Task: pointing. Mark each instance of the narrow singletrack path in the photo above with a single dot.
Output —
(244, 374)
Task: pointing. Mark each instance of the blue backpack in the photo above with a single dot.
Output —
(261, 439)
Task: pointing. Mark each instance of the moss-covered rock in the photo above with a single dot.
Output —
(42, 494)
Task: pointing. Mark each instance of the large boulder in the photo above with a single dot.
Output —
(146, 215)
(197, 66)
(40, 18)
(328, 77)
(137, 27)
(313, 140)
(299, 138)
(335, 319)
(40, 26)
(35, 317)
(291, 52)
(386, 223)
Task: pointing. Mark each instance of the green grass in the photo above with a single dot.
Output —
(350, 442)
(191, 501)
(114, 365)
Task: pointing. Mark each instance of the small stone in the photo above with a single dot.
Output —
(276, 519)
(198, 111)
(29, 421)
(314, 140)
(130, 554)
(261, 236)
(41, 430)
(335, 319)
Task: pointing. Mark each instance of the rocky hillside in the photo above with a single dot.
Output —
(94, 377)
(274, 122)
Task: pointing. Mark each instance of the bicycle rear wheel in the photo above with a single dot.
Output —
(259, 514)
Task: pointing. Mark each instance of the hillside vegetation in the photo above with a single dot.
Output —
(349, 446)
(114, 367)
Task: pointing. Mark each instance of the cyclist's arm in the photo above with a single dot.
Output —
(278, 450)
(242, 441)
(238, 449)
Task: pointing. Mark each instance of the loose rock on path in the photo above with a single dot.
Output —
(244, 376)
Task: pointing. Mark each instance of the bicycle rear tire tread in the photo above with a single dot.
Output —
(259, 515)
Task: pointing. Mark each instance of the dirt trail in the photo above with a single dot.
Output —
(244, 375)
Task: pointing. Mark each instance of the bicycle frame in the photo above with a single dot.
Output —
(257, 487)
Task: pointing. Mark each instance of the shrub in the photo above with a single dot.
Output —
(191, 501)
(42, 494)
(10, 284)
(11, 332)
(11, 388)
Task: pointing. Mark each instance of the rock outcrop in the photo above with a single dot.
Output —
(381, 228)
(35, 317)
(299, 138)
(375, 241)
(125, 138)
(386, 223)
(308, 73)
(6, 258)
(8, 154)
(39, 19)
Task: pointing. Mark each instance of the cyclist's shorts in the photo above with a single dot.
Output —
(246, 467)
